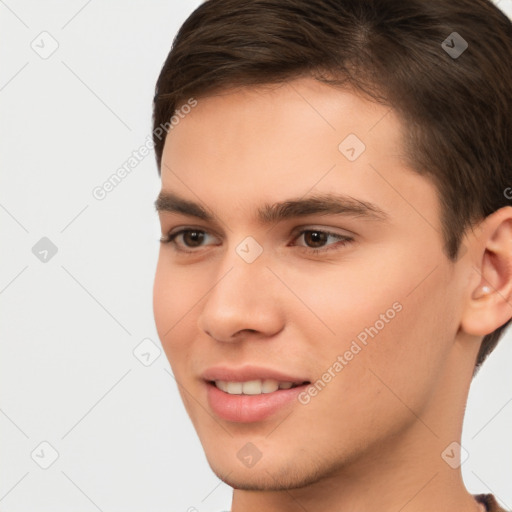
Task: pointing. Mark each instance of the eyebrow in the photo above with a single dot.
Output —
(322, 204)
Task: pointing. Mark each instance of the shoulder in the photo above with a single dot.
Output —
(490, 502)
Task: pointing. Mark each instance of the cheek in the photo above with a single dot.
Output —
(406, 356)
(396, 342)
(173, 301)
(341, 301)
(390, 314)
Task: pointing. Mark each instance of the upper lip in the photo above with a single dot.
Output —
(249, 372)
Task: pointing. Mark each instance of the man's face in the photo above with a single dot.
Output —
(374, 298)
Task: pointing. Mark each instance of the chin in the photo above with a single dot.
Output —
(271, 474)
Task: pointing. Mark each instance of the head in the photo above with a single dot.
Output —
(291, 100)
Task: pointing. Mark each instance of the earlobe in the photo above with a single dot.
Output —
(489, 304)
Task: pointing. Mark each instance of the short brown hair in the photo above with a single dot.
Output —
(456, 110)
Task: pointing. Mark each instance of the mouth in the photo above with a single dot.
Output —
(254, 387)
(252, 401)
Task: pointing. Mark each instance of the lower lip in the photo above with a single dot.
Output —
(249, 408)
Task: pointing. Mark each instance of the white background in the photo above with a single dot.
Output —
(69, 325)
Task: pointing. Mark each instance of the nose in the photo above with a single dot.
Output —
(245, 298)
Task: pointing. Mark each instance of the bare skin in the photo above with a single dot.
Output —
(374, 437)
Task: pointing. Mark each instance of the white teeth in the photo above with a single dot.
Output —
(234, 388)
(269, 386)
(222, 385)
(252, 387)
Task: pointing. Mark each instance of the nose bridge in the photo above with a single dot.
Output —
(242, 296)
(243, 267)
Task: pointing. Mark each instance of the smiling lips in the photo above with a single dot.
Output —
(254, 387)
(249, 393)
(250, 380)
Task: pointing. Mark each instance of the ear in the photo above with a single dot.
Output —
(489, 291)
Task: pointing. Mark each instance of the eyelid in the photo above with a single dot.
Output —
(325, 229)
(343, 239)
(173, 234)
(295, 231)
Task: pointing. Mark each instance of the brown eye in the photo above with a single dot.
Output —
(315, 238)
(193, 238)
(186, 240)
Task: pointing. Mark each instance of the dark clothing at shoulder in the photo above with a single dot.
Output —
(490, 502)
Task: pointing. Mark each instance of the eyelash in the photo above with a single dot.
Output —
(344, 240)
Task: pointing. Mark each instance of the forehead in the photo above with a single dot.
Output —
(280, 117)
(246, 146)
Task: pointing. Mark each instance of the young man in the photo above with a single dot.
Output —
(336, 258)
